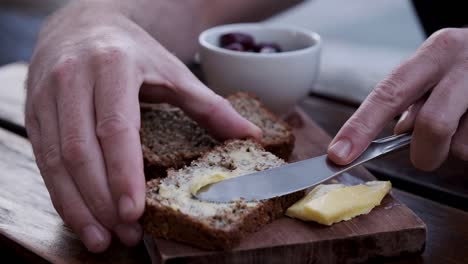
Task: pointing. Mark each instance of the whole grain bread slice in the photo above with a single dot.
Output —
(172, 212)
(171, 139)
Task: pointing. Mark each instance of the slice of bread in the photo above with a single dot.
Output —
(170, 139)
(172, 212)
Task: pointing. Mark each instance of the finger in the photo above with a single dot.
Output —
(79, 146)
(459, 145)
(438, 121)
(76, 214)
(408, 118)
(73, 209)
(130, 234)
(210, 110)
(392, 96)
(118, 123)
(34, 136)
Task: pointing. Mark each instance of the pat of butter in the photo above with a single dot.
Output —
(328, 204)
(205, 180)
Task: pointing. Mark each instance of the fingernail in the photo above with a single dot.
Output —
(403, 116)
(93, 238)
(129, 234)
(256, 131)
(341, 148)
(400, 125)
(126, 207)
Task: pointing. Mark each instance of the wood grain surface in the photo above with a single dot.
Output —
(447, 232)
(391, 229)
(28, 221)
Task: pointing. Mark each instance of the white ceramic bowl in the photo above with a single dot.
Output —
(280, 80)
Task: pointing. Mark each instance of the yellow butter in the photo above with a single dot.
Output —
(297, 209)
(205, 180)
(328, 204)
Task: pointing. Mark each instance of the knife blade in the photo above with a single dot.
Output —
(294, 176)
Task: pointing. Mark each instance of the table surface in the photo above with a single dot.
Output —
(447, 230)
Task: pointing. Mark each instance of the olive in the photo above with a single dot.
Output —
(246, 40)
(235, 46)
(267, 48)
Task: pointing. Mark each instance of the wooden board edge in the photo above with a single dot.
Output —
(410, 241)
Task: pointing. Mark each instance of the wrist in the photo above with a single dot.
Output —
(175, 24)
(150, 13)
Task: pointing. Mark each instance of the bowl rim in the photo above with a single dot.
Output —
(238, 27)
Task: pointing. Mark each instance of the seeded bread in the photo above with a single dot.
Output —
(172, 212)
(170, 139)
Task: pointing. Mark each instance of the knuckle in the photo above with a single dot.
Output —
(30, 123)
(74, 150)
(50, 159)
(464, 64)
(389, 92)
(359, 127)
(214, 106)
(64, 69)
(57, 207)
(72, 210)
(33, 91)
(111, 125)
(41, 165)
(35, 107)
(433, 58)
(440, 45)
(117, 169)
(448, 82)
(423, 166)
(55, 202)
(459, 149)
(109, 54)
(39, 100)
(99, 205)
(435, 123)
(446, 39)
(101, 208)
(422, 160)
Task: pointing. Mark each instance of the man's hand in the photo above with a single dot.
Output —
(83, 116)
(432, 86)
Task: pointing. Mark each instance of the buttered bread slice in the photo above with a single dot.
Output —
(172, 212)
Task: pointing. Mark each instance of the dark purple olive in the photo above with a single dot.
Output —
(267, 48)
(236, 37)
(235, 46)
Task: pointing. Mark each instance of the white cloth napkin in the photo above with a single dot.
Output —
(363, 41)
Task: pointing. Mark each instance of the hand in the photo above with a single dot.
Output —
(83, 116)
(432, 86)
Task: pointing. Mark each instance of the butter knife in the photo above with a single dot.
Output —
(294, 176)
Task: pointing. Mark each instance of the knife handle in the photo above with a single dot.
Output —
(382, 146)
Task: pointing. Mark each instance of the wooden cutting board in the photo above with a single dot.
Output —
(391, 229)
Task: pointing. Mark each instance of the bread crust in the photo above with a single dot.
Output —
(167, 223)
(281, 147)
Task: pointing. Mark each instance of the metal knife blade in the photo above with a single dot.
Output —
(293, 177)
